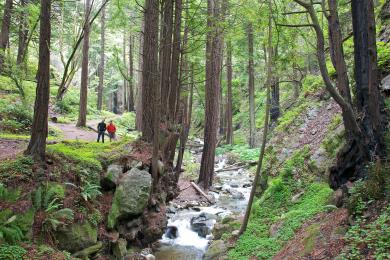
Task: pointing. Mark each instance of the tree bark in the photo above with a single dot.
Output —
(150, 69)
(213, 55)
(251, 88)
(229, 103)
(166, 54)
(23, 33)
(338, 60)
(130, 98)
(101, 66)
(82, 120)
(37, 145)
(174, 90)
(5, 28)
(368, 98)
(138, 112)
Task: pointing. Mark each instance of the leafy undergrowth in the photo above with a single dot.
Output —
(35, 202)
(288, 202)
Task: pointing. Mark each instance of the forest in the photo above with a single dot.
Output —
(194, 129)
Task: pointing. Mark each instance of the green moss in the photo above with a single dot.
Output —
(275, 206)
(20, 168)
(290, 117)
(309, 241)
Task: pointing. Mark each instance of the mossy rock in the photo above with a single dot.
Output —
(217, 250)
(131, 196)
(76, 237)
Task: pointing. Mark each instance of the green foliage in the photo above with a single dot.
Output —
(7, 195)
(383, 55)
(19, 168)
(333, 142)
(47, 199)
(126, 121)
(312, 83)
(15, 117)
(371, 237)
(95, 217)
(290, 117)
(90, 191)
(11, 252)
(242, 151)
(10, 232)
(376, 186)
(276, 208)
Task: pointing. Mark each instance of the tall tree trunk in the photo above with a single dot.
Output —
(338, 60)
(166, 54)
(5, 27)
(82, 120)
(368, 98)
(37, 145)
(213, 55)
(186, 124)
(150, 68)
(130, 98)
(123, 90)
(101, 66)
(258, 177)
(251, 88)
(23, 32)
(174, 90)
(229, 103)
(275, 94)
(138, 112)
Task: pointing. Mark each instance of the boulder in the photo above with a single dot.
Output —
(120, 249)
(220, 229)
(201, 225)
(111, 177)
(172, 232)
(385, 83)
(131, 196)
(216, 250)
(237, 195)
(76, 237)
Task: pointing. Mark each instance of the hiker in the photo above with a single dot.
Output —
(101, 130)
(111, 129)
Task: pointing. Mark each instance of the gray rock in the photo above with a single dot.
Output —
(385, 83)
(200, 224)
(111, 177)
(131, 196)
(233, 185)
(172, 232)
(237, 195)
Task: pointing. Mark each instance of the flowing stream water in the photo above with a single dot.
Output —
(232, 197)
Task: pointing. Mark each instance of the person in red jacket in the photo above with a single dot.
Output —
(111, 129)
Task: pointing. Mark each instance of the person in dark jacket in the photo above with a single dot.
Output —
(101, 130)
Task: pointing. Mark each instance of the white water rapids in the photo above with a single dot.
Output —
(188, 245)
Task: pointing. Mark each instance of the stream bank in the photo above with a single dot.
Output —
(195, 226)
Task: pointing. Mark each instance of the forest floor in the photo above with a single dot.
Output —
(12, 146)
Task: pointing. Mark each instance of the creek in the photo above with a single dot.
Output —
(231, 194)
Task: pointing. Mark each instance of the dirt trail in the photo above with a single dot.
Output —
(9, 148)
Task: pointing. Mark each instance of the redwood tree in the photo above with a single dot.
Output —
(149, 68)
(82, 120)
(5, 26)
(37, 145)
(101, 65)
(213, 61)
(229, 101)
(251, 88)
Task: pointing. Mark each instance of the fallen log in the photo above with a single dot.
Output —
(201, 192)
(228, 169)
(93, 129)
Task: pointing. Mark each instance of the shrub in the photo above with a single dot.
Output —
(20, 169)
(11, 252)
(15, 117)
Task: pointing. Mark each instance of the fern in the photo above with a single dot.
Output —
(90, 191)
(10, 232)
